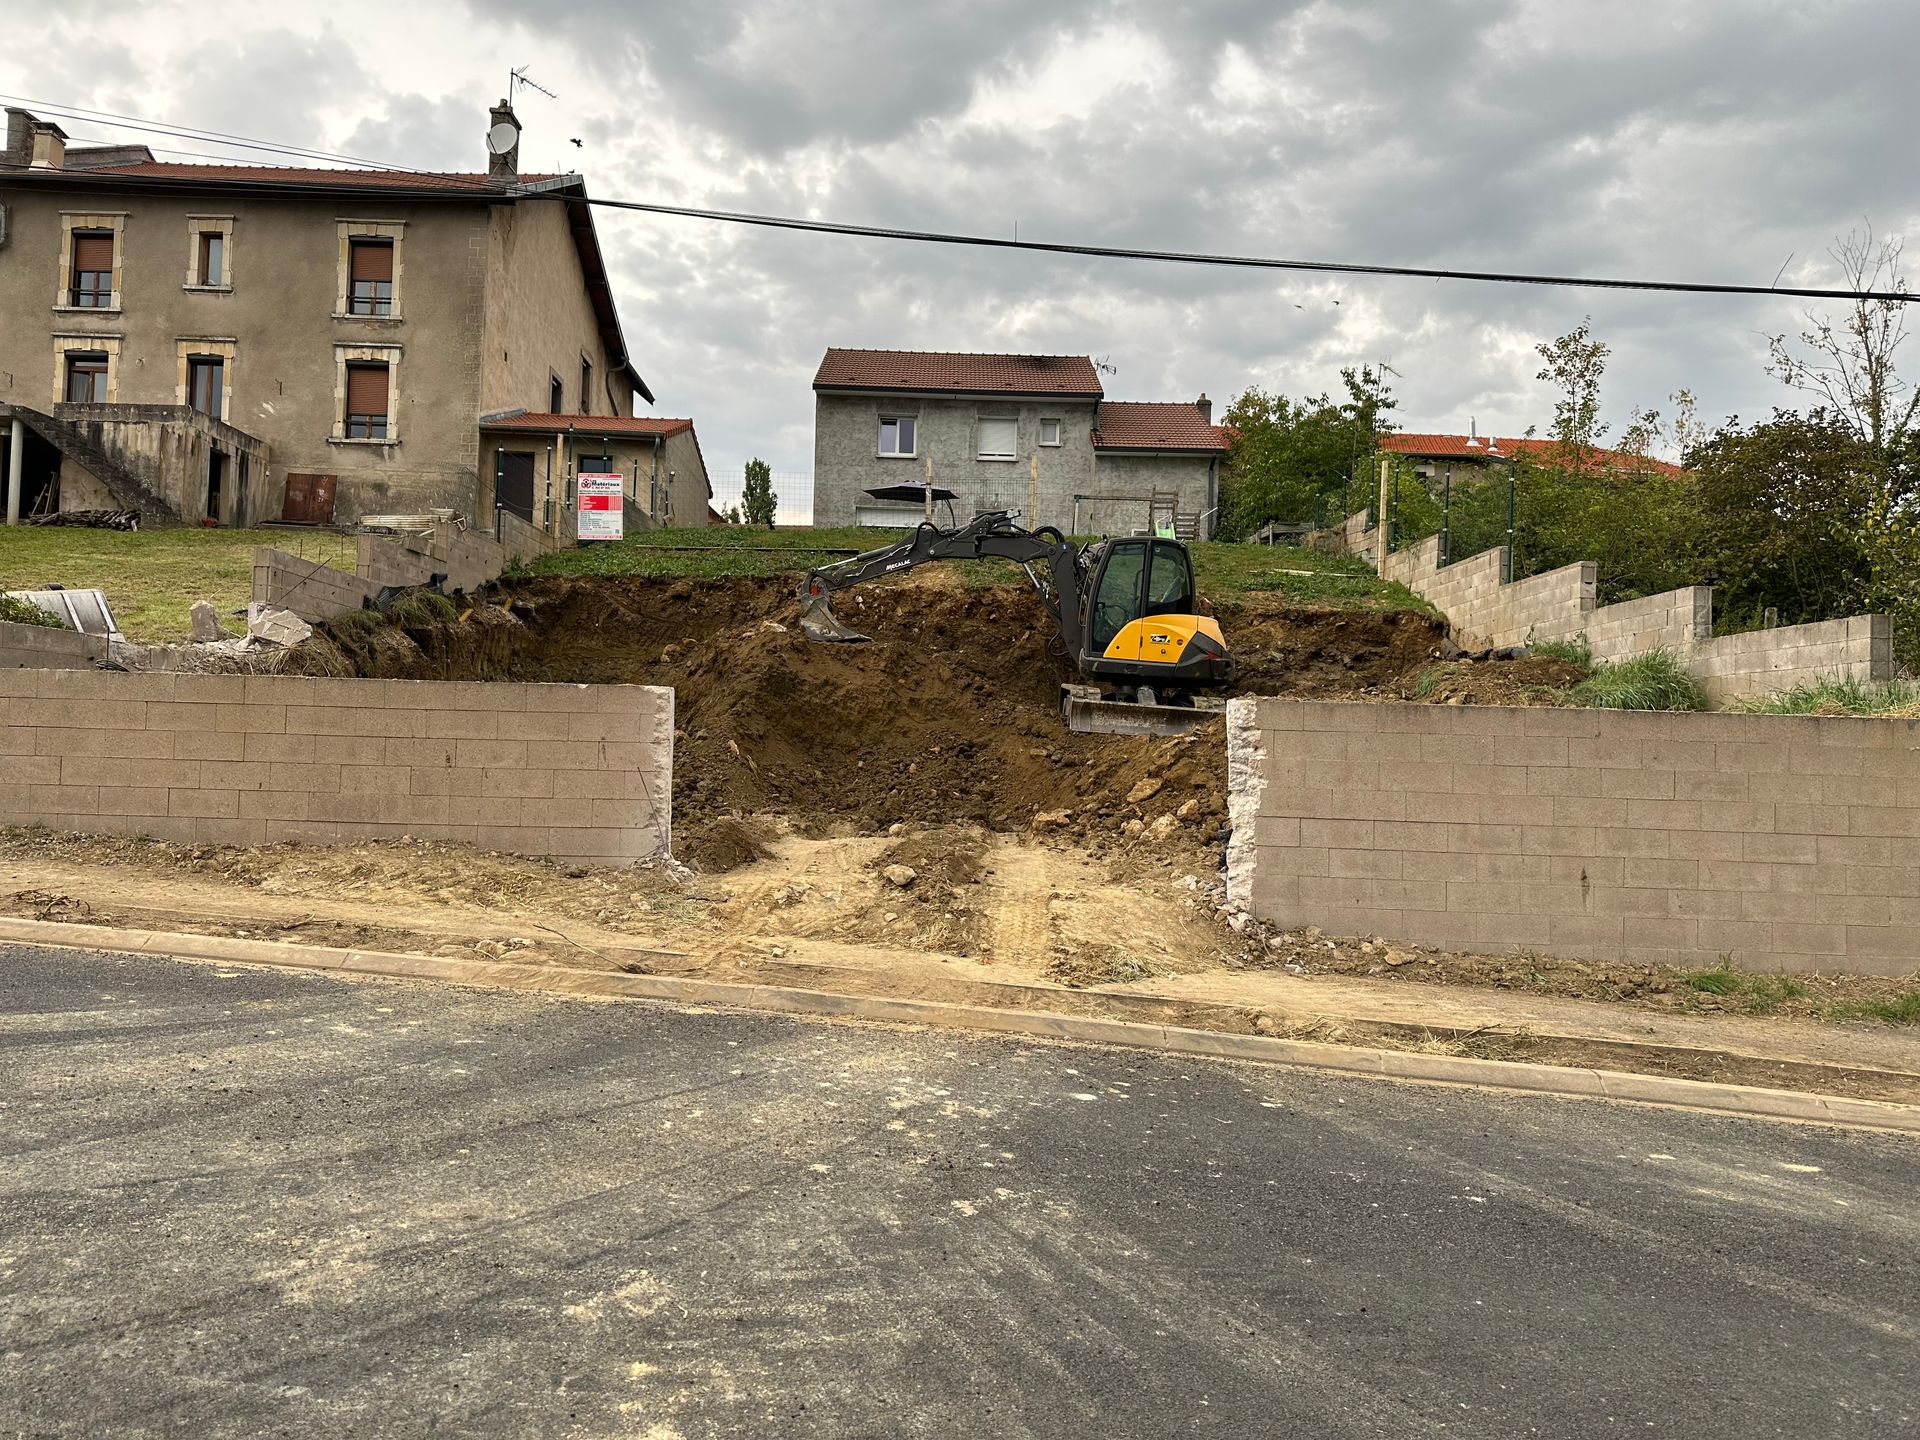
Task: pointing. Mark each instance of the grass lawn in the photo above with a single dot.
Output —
(152, 576)
(718, 552)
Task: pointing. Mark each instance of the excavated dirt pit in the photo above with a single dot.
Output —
(949, 716)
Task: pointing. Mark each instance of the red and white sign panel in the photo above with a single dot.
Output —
(600, 515)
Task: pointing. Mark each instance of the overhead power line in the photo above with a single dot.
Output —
(934, 237)
(221, 137)
(1251, 262)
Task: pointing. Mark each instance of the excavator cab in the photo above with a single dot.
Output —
(1143, 625)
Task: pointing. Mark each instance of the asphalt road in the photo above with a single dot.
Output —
(239, 1203)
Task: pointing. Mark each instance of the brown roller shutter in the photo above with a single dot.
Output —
(93, 252)
(366, 390)
(372, 260)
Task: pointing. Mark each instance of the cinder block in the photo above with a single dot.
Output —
(1805, 939)
(1780, 849)
(1629, 843)
(1859, 850)
(208, 744)
(108, 744)
(218, 804)
(1637, 784)
(131, 800)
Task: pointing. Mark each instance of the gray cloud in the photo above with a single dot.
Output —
(1708, 140)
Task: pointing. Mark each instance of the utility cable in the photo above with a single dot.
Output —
(932, 237)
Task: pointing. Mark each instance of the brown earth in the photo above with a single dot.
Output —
(950, 716)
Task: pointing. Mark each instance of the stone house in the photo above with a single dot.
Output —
(1032, 433)
(236, 343)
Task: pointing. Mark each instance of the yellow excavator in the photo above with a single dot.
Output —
(1126, 609)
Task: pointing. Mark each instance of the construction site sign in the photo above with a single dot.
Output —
(600, 513)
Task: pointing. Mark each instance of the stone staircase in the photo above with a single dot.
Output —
(123, 482)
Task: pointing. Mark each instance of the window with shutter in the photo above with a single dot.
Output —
(92, 269)
(999, 437)
(367, 402)
(370, 277)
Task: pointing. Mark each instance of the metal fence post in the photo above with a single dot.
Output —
(1512, 472)
(1446, 516)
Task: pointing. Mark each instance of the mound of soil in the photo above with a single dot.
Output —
(1530, 680)
(950, 715)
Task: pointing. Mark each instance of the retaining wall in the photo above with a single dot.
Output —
(1483, 611)
(578, 772)
(42, 645)
(468, 558)
(1782, 842)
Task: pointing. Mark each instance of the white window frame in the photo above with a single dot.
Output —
(1059, 430)
(980, 452)
(895, 420)
(198, 225)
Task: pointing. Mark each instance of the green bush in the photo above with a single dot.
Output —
(24, 612)
(419, 608)
(1577, 651)
(1653, 681)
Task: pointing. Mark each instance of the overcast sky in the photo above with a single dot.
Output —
(1683, 139)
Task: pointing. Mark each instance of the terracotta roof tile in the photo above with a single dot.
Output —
(547, 423)
(961, 373)
(1485, 447)
(1155, 425)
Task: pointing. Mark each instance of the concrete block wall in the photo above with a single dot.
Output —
(1482, 611)
(43, 647)
(1780, 842)
(468, 558)
(309, 589)
(583, 773)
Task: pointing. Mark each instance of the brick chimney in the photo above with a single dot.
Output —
(1205, 407)
(49, 146)
(503, 163)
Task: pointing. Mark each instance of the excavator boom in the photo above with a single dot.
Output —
(1049, 558)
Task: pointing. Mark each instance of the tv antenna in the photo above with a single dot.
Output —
(1106, 366)
(1386, 369)
(519, 77)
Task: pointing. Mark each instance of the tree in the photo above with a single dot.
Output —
(1850, 363)
(1294, 460)
(1575, 363)
(1779, 500)
(757, 499)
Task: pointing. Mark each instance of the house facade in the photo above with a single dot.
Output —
(1032, 433)
(229, 344)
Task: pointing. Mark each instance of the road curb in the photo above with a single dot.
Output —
(1752, 1101)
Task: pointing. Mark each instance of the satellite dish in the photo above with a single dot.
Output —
(502, 138)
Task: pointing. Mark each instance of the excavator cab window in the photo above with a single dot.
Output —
(1170, 583)
(1116, 600)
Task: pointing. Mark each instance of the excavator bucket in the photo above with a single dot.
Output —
(818, 622)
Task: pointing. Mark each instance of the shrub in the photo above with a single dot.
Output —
(419, 608)
(25, 612)
(1653, 681)
(1577, 651)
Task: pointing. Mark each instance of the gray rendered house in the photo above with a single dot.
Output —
(1032, 433)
